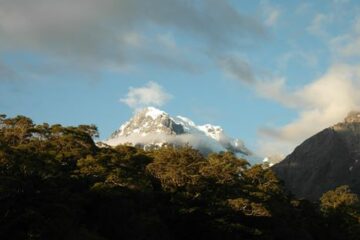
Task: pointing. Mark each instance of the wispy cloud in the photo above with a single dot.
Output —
(237, 68)
(158, 49)
(302, 57)
(303, 8)
(319, 104)
(85, 33)
(6, 72)
(319, 24)
(322, 102)
(150, 94)
(347, 45)
(271, 13)
(341, 1)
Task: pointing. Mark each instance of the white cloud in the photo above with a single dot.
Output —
(320, 104)
(319, 24)
(347, 45)
(273, 17)
(152, 94)
(302, 8)
(133, 39)
(275, 89)
(299, 57)
(271, 13)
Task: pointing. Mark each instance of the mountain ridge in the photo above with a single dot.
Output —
(152, 127)
(324, 161)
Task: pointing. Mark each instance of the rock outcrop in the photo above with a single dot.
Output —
(324, 161)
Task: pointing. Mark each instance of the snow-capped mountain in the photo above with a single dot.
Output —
(152, 127)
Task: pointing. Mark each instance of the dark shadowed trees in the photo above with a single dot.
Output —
(55, 183)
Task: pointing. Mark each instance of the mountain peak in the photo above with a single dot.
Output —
(153, 112)
(153, 127)
(352, 117)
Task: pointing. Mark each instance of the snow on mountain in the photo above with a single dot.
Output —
(154, 112)
(153, 127)
(212, 131)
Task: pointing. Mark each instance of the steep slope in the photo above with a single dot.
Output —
(324, 161)
(152, 127)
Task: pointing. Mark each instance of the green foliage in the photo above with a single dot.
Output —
(339, 200)
(176, 168)
(342, 208)
(263, 183)
(55, 183)
(223, 167)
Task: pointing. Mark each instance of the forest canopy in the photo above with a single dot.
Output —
(56, 183)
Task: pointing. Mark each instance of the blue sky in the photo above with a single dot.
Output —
(269, 72)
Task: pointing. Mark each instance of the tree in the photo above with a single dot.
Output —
(176, 168)
(341, 207)
(339, 200)
(16, 130)
(56, 183)
(224, 167)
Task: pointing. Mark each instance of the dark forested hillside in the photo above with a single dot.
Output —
(55, 183)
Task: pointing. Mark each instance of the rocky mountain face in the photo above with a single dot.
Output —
(324, 161)
(152, 127)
